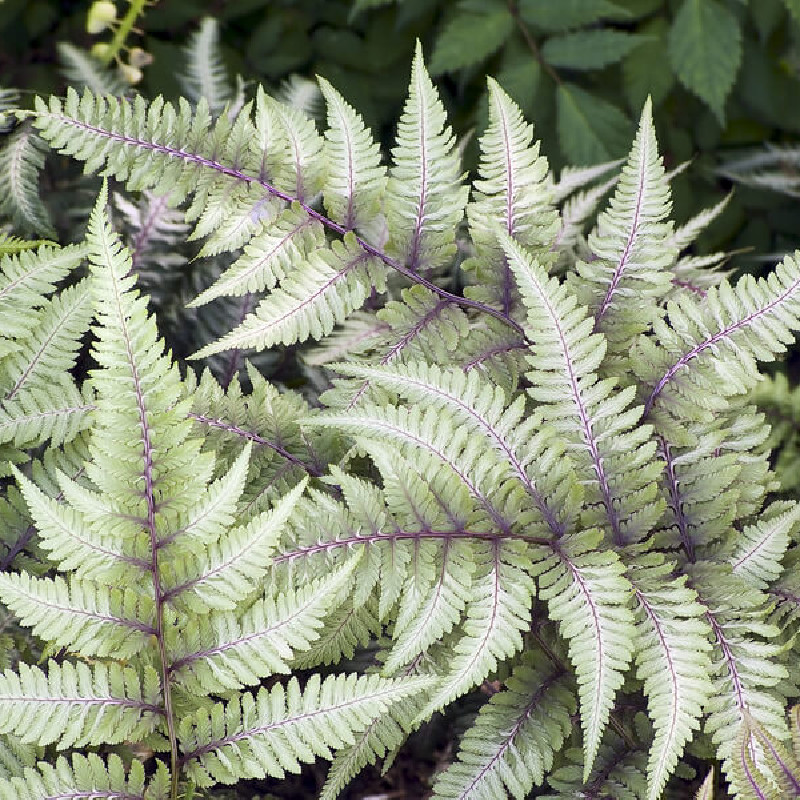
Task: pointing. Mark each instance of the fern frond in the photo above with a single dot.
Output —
(747, 672)
(42, 358)
(333, 283)
(27, 277)
(706, 790)
(424, 198)
(588, 595)
(15, 757)
(154, 234)
(710, 349)
(632, 246)
(612, 453)
(269, 257)
(759, 548)
(383, 735)
(205, 74)
(301, 161)
(84, 70)
(356, 180)
(278, 729)
(512, 744)
(420, 325)
(267, 417)
(12, 245)
(762, 766)
(688, 232)
(571, 179)
(9, 100)
(21, 160)
(471, 401)
(496, 616)
(76, 706)
(87, 776)
(619, 771)
(232, 567)
(720, 473)
(73, 544)
(428, 433)
(513, 193)
(129, 353)
(228, 651)
(346, 630)
(83, 616)
(431, 610)
(576, 210)
(59, 413)
(672, 661)
(270, 161)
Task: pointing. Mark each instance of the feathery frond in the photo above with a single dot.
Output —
(424, 197)
(21, 160)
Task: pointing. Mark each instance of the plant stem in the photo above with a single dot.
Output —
(531, 42)
(135, 8)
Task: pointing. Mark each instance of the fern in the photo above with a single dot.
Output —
(514, 454)
(21, 159)
(178, 536)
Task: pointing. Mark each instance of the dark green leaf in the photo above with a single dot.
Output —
(589, 49)
(468, 39)
(646, 70)
(705, 49)
(590, 129)
(561, 15)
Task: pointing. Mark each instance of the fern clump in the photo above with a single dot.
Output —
(159, 593)
(536, 468)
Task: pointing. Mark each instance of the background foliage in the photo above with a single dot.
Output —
(722, 74)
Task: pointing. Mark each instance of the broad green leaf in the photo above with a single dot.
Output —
(550, 15)
(589, 49)
(590, 129)
(705, 49)
(519, 76)
(645, 70)
(468, 39)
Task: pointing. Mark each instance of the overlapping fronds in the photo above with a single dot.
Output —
(512, 744)
(424, 198)
(709, 350)
(87, 776)
(613, 453)
(84, 616)
(563, 502)
(631, 246)
(43, 331)
(277, 729)
(229, 651)
(334, 283)
(748, 674)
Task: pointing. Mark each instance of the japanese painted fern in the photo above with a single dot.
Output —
(534, 465)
